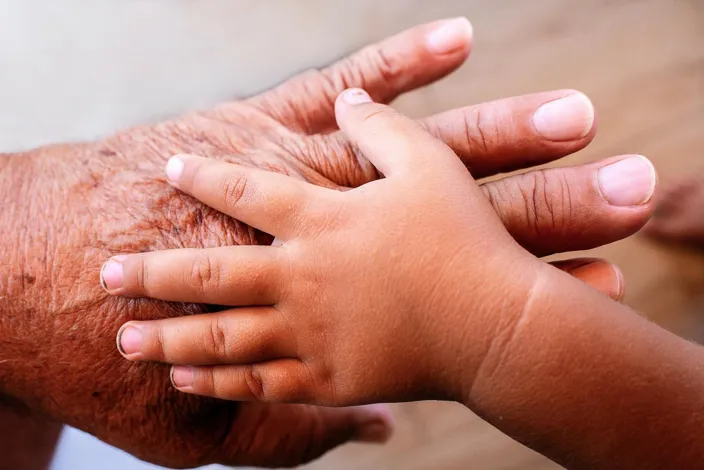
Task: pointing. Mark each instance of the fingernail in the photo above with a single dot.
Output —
(375, 425)
(182, 377)
(129, 340)
(111, 273)
(628, 182)
(174, 168)
(356, 96)
(450, 36)
(565, 119)
(603, 276)
(373, 432)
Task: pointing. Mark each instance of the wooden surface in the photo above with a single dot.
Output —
(642, 64)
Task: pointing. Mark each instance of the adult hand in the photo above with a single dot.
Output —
(67, 208)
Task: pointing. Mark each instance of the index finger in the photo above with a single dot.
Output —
(394, 143)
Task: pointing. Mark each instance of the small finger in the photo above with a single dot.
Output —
(598, 273)
(490, 138)
(268, 201)
(394, 143)
(281, 381)
(233, 276)
(239, 336)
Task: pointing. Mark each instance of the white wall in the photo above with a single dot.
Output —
(78, 69)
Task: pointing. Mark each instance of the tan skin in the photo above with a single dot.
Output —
(66, 208)
(353, 305)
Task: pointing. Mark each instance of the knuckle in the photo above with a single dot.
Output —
(370, 66)
(548, 201)
(219, 338)
(206, 382)
(378, 65)
(339, 161)
(233, 189)
(481, 131)
(159, 342)
(142, 275)
(255, 384)
(204, 275)
(497, 194)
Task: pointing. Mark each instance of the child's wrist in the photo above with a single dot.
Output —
(479, 326)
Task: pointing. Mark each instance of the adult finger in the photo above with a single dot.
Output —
(598, 273)
(575, 208)
(402, 63)
(285, 435)
(493, 137)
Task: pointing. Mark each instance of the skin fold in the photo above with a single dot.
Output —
(66, 208)
(340, 313)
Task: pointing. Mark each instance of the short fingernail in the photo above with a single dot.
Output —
(565, 119)
(182, 377)
(373, 432)
(111, 273)
(450, 36)
(174, 168)
(377, 425)
(129, 339)
(604, 276)
(628, 182)
(356, 96)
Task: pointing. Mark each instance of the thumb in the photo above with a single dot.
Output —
(289, 435)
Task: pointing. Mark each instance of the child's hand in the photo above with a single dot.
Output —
(392, 291)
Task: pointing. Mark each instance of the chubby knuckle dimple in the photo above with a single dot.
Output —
(255, 384)
(217, 340)
(205, 274)
(233, 188)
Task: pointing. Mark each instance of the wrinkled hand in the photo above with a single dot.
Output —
(83, 203)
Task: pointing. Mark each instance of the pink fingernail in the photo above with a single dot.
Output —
(111, 273)
(130, 340)
(376, 424)
(356, 96)
(174, 168)
(628, 182)
(182, 377)
(565, 119)
(450, 36)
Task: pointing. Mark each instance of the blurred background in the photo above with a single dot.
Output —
(77, 70)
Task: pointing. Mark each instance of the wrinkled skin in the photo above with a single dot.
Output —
(105, 199)
(67, 208)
